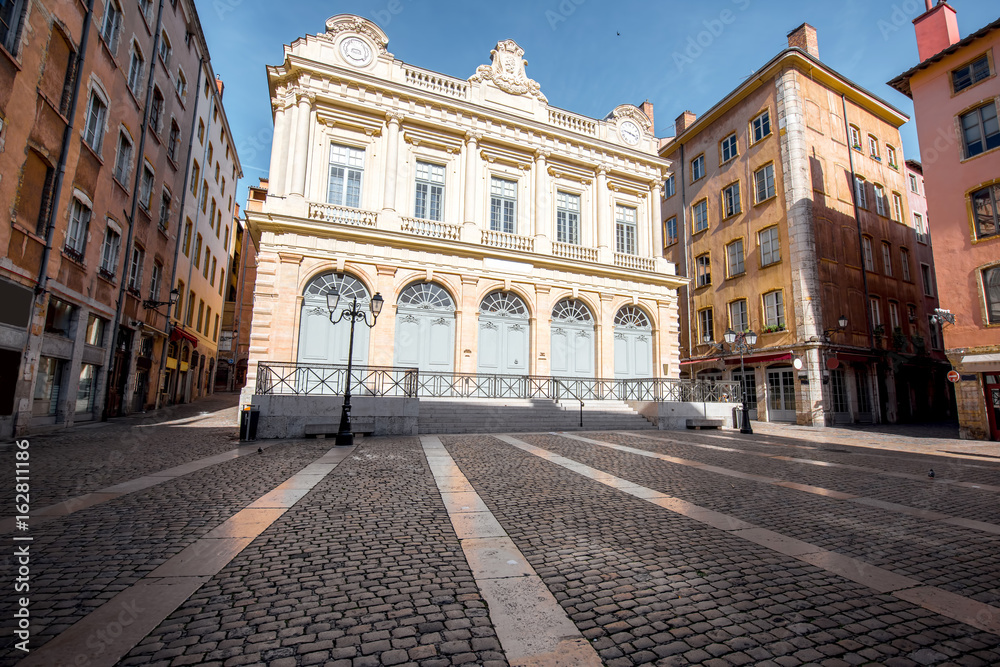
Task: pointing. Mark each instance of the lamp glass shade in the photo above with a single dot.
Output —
(842, 321)
(751, 338)
(332, 299)
(174, 295)
(376, 304)
(730, 336)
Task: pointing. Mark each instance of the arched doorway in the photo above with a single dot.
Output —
(320, 341)
(503, 334)
(425, 329)
(572, 341)
(633, 344)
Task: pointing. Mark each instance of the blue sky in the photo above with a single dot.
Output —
(588, 55)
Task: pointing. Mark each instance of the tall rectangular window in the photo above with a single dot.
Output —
(346, 169)
(109, 252)
(974, 72)
(86, 388)
(881, 204)
(739, 316)
(95, 330)
(861, 192)
(197, 252)
(165, 202)
(991, 290)
(914, 185)
(567, 218)
(111, 25)
(986, 209)
(699, 213)
(893, 316)
(918, 224)
(734, 258)
(875, 310)
(697, 168)
(904, 263)
(11, 15)
(928, 279)
(76, 233)
(703, 266)
(774, 309)
(187, 238)
(195, 174)
(897, 207)
(729, 148)
(503, 205)
(890, 155)
(671, 230)
(980, 130)
(764, 182)
(761, 126)
(935, 333)
(135, 68)
(866, 245)
(770, 246)
(855, 137)
(123, 158)
(706, 325)
(135, 268)
(669, 187)
(429, 203)
(887, 259)
(873, 147)
(838, 389)
(154, 281)
(146, 186)
(97, 112)
(731, 204)
(625, 232)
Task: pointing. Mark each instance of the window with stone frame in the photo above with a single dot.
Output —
(76, 231)
(729, 148)
(739, 316)
(670, 230)
(11, 20)
(980, 130)
(764, 182)
(347, 166)
(774, 310)
(991, 292)
(625, 230)
(734, 258)
(770, 246)
(568, 218)
(703, 270)
(698, 168)
(699, 215)
(429, 191)
(986, 211)
(971, 73)
(706, 325)
(760, 127)
(731, 201)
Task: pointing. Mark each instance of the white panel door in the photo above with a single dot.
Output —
(633, 344)
(425, 340)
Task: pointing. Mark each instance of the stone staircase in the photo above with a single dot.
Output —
(499, 415)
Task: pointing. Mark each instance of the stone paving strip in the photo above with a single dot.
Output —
(965, 610)
(109, 632)
(927, 515)
(75, 504)
(829, 464)
(532, 627)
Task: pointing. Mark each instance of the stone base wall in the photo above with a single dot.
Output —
(674, 416)
(299, 416)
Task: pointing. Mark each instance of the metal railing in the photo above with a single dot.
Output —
(289, 378)
(559, 385)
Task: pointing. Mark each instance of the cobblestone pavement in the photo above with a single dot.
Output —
(365, 569)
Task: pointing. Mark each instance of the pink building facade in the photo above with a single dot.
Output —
(956, 96)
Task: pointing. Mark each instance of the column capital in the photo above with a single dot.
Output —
(603, 169)
(473, 137)
(542, 155)
(302, 96)
(393, 117)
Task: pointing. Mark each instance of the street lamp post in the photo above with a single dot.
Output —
(345, 438)
(742, 342)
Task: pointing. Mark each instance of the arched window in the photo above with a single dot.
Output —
(428, 296)
(571, 310)
(631, 317)
(503, 304)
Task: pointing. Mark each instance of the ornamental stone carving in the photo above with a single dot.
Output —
(633, 113)
(345, 23)
(507, 71)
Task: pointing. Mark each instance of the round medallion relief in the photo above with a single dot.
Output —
(356, 51)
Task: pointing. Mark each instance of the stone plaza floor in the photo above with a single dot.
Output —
(161, 540)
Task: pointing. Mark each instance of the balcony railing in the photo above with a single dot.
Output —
(436, 83)
(291, 379)
(342, 214)
(508, 241)
(634, 262)
(432, 228)
(573, 122)
(571, 251)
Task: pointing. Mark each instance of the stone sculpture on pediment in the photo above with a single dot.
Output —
(507, 71)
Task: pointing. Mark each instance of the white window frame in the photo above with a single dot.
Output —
(76, 230)
(670, 230)
(855, 137)
(774, 309)
(110, 248)
(881, 203)
(735, 261)
(894, 322)
(740, 307)
(769, 240)
(503, 205)
(703, 269)
(626, 231)
(428, 197)
(732, 203)
(897, 207)
(136, 68)
(767, 174)
(111, 25)
(918, 225)
(96, 125)
(706, 324)
(669, 187)
(567, 217)
(873, 147)
(146, 184)
(698, 168)
(699, 215)
(155, 278)
(729, 148)
(914, 184)
(887, 259)
(123, 163)
(135, 266)
(980, 126)
(861, 192)
(350, 162)
(875, 310)
(758, 125)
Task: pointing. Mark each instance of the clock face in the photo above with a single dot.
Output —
(629, 133)
(356, 51)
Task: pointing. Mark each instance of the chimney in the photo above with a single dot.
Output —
(647, 108)
(218, 84)
(805, 38)
(683, 122)
(937, 29)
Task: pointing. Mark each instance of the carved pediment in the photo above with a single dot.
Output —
(507, 71)
(348, 23)
(633, 113)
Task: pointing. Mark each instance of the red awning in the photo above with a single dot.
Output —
(179, 334)
(759, 359)
(861, 358)
(699, 361)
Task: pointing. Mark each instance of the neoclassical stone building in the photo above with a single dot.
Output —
(505, 235)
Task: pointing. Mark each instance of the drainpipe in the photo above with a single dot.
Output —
(180, 228)
(131, 219)
(50, 224)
